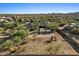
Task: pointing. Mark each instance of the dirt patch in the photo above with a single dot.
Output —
(39, 47)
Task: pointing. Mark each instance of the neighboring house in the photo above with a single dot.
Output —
(28, 24)
(2, 19)
(9, 18)
(44, 30)
(71, 26)
(63, 27)
(77, 25)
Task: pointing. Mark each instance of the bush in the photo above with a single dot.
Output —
(1, 30)
(8, 32)
(53, 25)
(8, 25)
(21, 33)
(62, 22)
(21, 27)
(17, 40)
(7, 43)
(53, 47)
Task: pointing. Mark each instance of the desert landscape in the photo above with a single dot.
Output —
(39, 34)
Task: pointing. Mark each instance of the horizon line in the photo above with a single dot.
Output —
(43, 13)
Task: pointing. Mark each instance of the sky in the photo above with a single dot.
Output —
(37, 8)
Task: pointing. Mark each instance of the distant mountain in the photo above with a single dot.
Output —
(66, 13)
(74, 13)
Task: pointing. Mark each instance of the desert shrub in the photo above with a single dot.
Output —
(17, 40)
(62, 22)
(53, 25)
(8, 43)
(19, 27)
(21, 33)
(53, 47)
(1, 30)
(8, 25)
(8, 32)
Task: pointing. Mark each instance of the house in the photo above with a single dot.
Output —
(63, 27)
(1, 20)
(73, 24)
(3, 17)
(44, 30)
